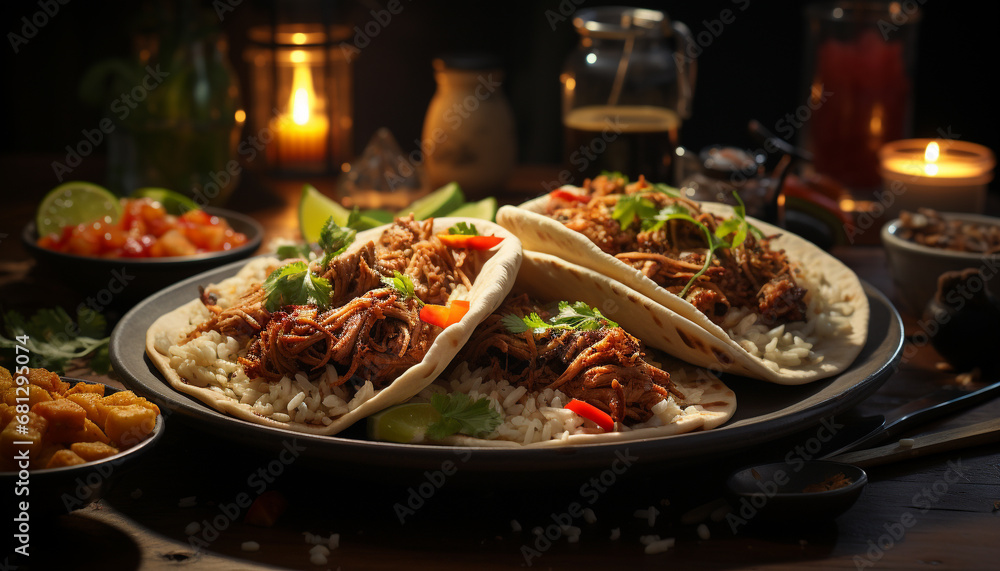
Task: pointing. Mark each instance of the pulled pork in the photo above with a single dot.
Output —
(603, 367)
(750, 276)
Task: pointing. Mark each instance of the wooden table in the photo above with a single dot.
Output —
(940, 511)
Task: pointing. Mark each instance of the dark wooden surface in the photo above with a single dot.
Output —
(936, 512)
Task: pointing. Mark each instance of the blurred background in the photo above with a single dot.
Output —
(751, 70)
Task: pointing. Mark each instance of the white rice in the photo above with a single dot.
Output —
(791, 345)
(538, 417)
(210, 361)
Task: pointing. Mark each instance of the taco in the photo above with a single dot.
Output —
(314, 345)
(562, 373)
(703, 281)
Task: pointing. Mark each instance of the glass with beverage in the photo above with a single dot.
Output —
(626, 87)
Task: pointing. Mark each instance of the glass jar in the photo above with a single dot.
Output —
(182, 129)
(626, 89)
(859, 59)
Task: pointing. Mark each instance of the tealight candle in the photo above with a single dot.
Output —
(946, 175)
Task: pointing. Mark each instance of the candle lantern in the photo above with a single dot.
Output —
(945, 175)
(301, 113)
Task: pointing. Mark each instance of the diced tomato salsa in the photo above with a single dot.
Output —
(146, 230)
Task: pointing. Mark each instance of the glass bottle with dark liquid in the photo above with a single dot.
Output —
(625, 94)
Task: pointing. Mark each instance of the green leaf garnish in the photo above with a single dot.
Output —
(737, 227)
(51, 338)
(287, 251)
(401, 283)
(463, 229)
(461, 415)
(294, 284)
(576, 316)
(334, 239)
(632, 206)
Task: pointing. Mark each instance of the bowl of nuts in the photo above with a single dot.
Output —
(922, 245)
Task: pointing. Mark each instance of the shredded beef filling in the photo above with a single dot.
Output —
(603, 367)
(370, 332)
(750, 276)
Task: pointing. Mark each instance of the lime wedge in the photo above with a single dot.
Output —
(73, 203)
(174, 202)
(379, 215)
(485, 209)
(405, 423)
(315, 209)
(438, 203)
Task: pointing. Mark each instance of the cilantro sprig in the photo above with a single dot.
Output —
(463, 229)
(294, 284)
(631, 207)
(737, 227)
(576, 316)
(461, 415)
(52, 338)
(401, 283)
(334, 239)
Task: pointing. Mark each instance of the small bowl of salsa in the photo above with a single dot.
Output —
(117, 263)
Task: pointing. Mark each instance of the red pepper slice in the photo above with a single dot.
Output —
(591, 412)
(444, 315)
(569, 195)
(471, 242)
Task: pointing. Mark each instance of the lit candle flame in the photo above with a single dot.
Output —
(303, 95)
(930, 158)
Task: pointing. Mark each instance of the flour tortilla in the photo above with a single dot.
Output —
(670, 323)
(488, 289)
(549, 279)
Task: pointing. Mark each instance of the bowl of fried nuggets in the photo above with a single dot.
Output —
(63, 442)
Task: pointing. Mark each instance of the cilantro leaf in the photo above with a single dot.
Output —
(632, 206)
(577, 316)
(461, 415)
(294, 284)
(334, 239)
(463, 229)
(287, 251)
(401, 283)
(52, 338)
(580, 316)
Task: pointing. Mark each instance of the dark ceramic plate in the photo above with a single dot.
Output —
(61, 490)
(764, 412)
(123, 282)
